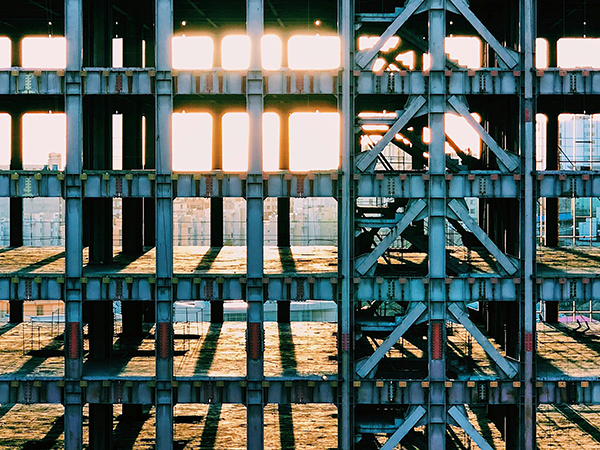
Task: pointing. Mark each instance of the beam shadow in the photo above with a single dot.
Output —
(286, 427)
(49, 441)
(287, 351)
(286, 258)
(208, 439)
(208, 259)
(127, 431)
(585, 425)
(43, 262)
(207, 352)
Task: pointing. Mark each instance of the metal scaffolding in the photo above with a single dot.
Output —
(418, 270)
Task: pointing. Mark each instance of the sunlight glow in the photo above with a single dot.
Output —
(5, 122)
(236, 130)
(192, 142)
(271, 129)
(407, 59)
(5, 52)
(43, 134)
(44, 52)
(573, 53)
(374, 127)
(117, 142)
(117, 52)
(271, 48)
(463, 134)
(314, 52)
(367, 42)
(465, 50)
(235, 52)
(541, 53)
(314, 141)
(426, 62)
(426, 135)
(378, 65)
(192, 52)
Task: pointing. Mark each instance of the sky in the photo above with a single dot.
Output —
(314, 137)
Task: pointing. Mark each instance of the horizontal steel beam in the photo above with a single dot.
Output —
(483, 81)
(581, 287)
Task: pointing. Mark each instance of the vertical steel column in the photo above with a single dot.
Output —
(16, 204)
(528, 221)
(437, 228)
(73, 235)
(283, 204)
(254, 231)
(164, 228)
(346, 227)
(216, 203)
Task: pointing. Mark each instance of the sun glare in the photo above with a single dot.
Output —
(314, 141)
(44, 52)
(236, 130)
(463, 134)
(367, 42)
(117, 52)
(314, 52)
(5, 122)
(235, 52)
(192, 52)
(192, 142)
(43, 134)
(271, 48)
(465, 50)
(271, 129)
(5, 52)
(541, 53)
(573, 53)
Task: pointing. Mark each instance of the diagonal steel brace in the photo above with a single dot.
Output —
(460, 416)
(505, 365)
(503, 53)
(410, 421)
(413, 106)
(364, 263)
(508, 160)
(508, 264)
(367, 56)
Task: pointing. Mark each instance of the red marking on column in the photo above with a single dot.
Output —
(73, 343)
(436, 338)
(345, 342)
(164, 340)
(528, 341)
(254, 340)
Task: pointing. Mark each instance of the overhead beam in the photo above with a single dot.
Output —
(413, 106)
(463, 421)
(409, 423)
(505, 366)
(508, 160)
(509, 265)
(364, 263)
(364, 58)
(414, 313)
(503, 53)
